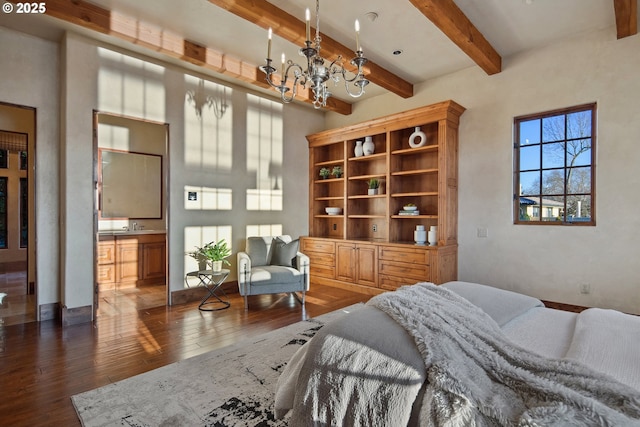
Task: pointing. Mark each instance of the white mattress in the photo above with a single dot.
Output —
(551, 336)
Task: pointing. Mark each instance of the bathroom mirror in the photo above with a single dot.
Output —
(130, 185)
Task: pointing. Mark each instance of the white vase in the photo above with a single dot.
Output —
(420, 235)
(216, 266)
(358, 151)
(372, 191)
(368, 147)
(433, 240)
(417, 134)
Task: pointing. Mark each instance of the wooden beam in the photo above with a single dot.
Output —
(448, 17)
(626, 17)
(265, 15)
(133, 30)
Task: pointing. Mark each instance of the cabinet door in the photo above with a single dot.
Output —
(153, 260)
(345, 262)
(127, 269)
(366, 265)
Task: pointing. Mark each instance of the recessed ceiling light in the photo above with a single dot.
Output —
(371, 16)
(397, 52)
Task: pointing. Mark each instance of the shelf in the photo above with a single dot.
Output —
(329, 162)
(415, 172)
(329, 198)
(414, 216)
(366, 196)
(366, 177)
(370, 157)
(415, 194)
(408, 151)
(366, 216)
(328, 180)
(328, 216)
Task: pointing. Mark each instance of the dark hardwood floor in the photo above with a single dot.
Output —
(42, 364)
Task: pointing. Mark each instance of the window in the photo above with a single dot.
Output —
(554, 157)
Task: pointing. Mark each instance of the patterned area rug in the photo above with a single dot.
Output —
(232, 386)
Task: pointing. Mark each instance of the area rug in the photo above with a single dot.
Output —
(232, 386)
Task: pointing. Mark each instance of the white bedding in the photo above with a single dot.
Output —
(551, 335)
(533, 327)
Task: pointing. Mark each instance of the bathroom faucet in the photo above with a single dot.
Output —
(135, 226)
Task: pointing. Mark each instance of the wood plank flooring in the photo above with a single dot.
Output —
(42, 365)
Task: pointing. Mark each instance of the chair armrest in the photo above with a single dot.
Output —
(303, 262)
(244, 272)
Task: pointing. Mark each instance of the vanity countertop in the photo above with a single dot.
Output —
(129, 232)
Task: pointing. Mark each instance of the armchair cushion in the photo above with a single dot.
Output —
(258, 251)
(284, 253)
(274, 275)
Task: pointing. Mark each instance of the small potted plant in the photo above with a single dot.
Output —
(373, 184)
(214, 253)
(336, 171)
(324, 173)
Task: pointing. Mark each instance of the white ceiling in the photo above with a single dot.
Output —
(510, 26)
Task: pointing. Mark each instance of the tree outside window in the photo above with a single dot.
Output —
(555, 167)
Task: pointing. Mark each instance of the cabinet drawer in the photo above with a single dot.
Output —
(325, 259)
(391, 283)
(321, 271)
(406, 255)
(106, 273)
(313, 245)
(419, 272)
(106, 253)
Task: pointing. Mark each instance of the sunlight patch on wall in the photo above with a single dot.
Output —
(206, 198)
(198, 236)
(264, 230)
(114, 137)
(130, 86)
(208, 139)
(265, 151)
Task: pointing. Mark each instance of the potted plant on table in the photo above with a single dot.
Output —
(215, 253)
(373, 184)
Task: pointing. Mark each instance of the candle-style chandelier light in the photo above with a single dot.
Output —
(317, 73)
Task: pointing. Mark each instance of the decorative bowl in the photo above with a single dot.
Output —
(333, 211)
(409, 208)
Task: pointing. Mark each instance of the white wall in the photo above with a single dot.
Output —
(547, 262)
(102, 78)
(29, 70)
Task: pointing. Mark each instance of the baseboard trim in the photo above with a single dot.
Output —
(49, 311)
(76, 315)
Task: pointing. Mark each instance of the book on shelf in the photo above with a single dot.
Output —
(403, 212)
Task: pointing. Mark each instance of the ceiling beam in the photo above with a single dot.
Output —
(153, 37)
(266, 15)
(448, 17)
(626, 17)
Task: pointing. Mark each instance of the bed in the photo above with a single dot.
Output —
(464, 354)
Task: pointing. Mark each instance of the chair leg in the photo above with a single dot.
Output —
(298, 298)
(246, 302)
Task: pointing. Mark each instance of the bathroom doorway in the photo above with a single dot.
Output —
(131, 251)
(18, 299)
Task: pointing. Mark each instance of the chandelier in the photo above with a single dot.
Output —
(317, 73)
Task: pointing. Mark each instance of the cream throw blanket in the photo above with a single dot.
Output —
(477, 377)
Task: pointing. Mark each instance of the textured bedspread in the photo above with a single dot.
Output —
(474, 374)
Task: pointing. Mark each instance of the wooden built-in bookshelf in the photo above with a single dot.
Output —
(426, 176)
